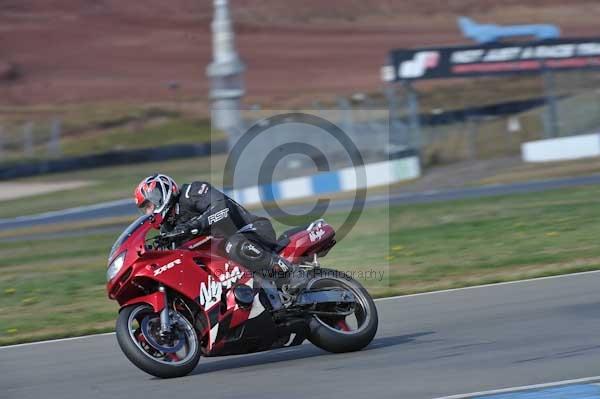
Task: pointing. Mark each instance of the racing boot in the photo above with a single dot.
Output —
(289, 277)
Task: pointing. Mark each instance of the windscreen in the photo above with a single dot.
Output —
(127, 233)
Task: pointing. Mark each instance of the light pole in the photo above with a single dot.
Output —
(225, 74)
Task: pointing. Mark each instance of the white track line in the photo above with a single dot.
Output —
(376, 300)
(69, 211)
(55, 340)
(523, 388)
(490, 285)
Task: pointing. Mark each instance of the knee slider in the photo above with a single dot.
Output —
(251, 251)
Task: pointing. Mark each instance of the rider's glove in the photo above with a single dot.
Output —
(178, 232)
(194, 226)
(167, 238)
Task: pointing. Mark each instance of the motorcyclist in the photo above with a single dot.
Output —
(199, 208)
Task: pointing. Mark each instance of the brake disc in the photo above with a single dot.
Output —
(149, 334)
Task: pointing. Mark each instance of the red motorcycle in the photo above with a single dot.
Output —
(178, 304)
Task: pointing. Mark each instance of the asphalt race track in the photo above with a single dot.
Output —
(125, 207)
(428, 346)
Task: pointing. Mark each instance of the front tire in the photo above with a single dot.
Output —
(334, 334)
(136, 334)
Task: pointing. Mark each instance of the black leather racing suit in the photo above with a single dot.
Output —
(250, 239)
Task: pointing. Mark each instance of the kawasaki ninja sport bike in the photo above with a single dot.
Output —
(178, 304)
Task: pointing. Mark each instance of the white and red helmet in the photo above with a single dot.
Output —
(158, 191)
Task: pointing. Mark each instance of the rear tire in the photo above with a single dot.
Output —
(144, 360)
(324, 335)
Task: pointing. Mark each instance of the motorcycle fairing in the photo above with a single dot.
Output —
(226, 328)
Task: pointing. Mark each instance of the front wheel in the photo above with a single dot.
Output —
(355, 327)
(138, 335)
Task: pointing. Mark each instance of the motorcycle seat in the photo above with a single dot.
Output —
(284, 238)
(291, 232)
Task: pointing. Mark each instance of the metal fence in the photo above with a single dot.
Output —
(31, 140)
(446, 129)
(546, 106)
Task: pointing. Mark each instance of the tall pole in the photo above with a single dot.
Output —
(1, 144)
(552, 127)
(54, 143)
(225, 74)
(398, 133)
(28, 139)
(413, 115)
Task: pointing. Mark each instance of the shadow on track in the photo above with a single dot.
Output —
(296, 353)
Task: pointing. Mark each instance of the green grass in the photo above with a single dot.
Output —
(165, 131)
(55, 287)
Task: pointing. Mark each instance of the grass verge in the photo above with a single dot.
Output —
(55, 287)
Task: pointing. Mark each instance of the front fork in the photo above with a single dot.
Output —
(165, 322)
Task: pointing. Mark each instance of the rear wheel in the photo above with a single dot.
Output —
(138, 335)
(356, 324)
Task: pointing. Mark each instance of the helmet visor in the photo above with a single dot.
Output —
(147, 208)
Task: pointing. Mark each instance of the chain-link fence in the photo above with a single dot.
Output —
(475, 119)
(85, 131)
(493, 117)
(30, 140)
